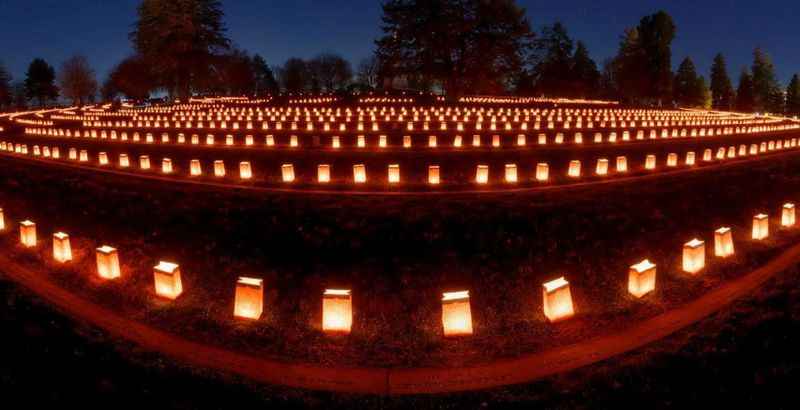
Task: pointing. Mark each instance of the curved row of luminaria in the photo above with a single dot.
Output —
(391, 117)
(193, 122)
(457, 141)
(512, 173)
(407, 117)
(337, 305)
(488, 99)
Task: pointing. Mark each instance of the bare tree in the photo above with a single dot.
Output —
(294, 75)
(331, 71)
(368, 72)
(77, 80)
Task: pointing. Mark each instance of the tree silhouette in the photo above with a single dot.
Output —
(132, 77)
(40, 82)
(474, 46)
(330, 71)
(6, 92)
(689, 88)
(20, 95)
(793, 96)
(265, 83)
(553, 61)
(368, 72)
(723, 96)
(745, 98)
(642, 69)
(626, 73)
(77, 80)
(584, 75)
(234, 74)
(656, 33)
(180, 40)
(767, 92)
(294, 76)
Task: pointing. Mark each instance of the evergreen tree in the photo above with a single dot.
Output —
(474, 46)
(766, 89)
(745, 99)
(704, 93)
(180, 40)
(584, 73)
(642, 68)
(40, 82)
(6, 92)
(235, 74)
(554, 60)
(265, 78)
(722, 95)
(793, 96)
(627, 70)
(656, 33)
(689, 89)
(558, 70)
(607, 87)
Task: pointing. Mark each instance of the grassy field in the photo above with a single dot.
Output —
(397, 254)
(745, 356)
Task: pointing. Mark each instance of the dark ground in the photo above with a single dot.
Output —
(398, 254)
(744, 357)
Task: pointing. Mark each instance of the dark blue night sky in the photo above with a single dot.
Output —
(55, 29)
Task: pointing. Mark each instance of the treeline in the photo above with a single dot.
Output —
(198, 58)
(75, 81)
(181, 49)
(454, 47)
(478, 47)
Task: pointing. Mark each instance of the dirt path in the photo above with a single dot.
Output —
(400, 381)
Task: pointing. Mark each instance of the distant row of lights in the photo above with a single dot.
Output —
(386, 100)
(324, 171)
(391, 114)
(433, 141)
(321, 124)
(531, 100)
